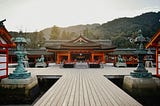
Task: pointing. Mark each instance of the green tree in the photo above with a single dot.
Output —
(122, 42)
(88, 33)
(35, 39)
(41, 39)
(72, 35)
(32, 40)
(64, 35)
(55, 33)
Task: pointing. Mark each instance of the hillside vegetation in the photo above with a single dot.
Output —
(118, 30)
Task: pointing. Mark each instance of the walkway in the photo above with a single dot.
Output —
(84, 87)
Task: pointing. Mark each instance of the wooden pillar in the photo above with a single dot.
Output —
(58, 59)
(103, 58)
(55, 57)
(69, 57)
(92, 57)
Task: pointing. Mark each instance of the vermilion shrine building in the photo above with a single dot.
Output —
(5, 43)
(80, 49)
(155, 42)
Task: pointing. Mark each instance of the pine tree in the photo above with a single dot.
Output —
(55, 32)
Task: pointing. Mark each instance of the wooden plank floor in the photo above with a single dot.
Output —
(83, 87)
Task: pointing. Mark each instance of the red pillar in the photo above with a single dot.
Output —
(58, 59)
(103, 57)
(69, 57)
(92, 57)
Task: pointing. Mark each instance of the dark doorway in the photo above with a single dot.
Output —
(80, 57)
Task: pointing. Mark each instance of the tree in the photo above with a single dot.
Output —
(41, 39)
(88, 33)
(35, 39)
(122, 42)
(55, 32)
(32, 38)
(64, 35)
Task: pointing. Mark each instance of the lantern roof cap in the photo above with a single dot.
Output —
(20, 39)
(140, 37)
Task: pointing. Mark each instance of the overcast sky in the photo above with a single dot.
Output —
(35, 15)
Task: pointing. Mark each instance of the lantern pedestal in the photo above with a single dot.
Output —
(141, 71)
(141, 86)
(42, 64)
(141, 74)
(118, 64)
(19, 72)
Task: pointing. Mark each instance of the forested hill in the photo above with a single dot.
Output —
(118, 30)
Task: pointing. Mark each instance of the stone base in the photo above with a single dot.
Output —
(144, 74)
(120, 64)
(6, 82)
(140, 86)
(18, 90)
(41, 64)
(23, 75)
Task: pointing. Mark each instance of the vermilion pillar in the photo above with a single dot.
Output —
(103, 58)
(58, 59)
(92, 57)
(69, 57)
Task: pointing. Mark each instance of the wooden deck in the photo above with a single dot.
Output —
(84, 87)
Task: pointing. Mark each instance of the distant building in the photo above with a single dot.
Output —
(32, 55)
(80, 49)
(128, 54)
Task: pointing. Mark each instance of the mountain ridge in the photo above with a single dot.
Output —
(118, 30)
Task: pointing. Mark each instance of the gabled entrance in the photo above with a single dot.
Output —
(80, 49)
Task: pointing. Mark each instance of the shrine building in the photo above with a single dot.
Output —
(155, 43)
(5, 43)
(80, 49)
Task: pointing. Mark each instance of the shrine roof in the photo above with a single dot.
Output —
(32, 52)
(81, 42)
(128, 51)
(155, 41)
(5, 37)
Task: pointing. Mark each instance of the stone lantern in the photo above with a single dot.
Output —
(140, 72)
(140, 81)
(20, 72)
(22, 83)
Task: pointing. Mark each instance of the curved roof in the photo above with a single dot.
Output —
(155, 41)
(80, 43)
(5, 37)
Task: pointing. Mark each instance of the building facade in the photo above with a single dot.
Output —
(5, 43)
(80, 49)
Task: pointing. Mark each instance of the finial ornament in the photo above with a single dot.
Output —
(1, 22)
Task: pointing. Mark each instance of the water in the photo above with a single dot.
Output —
(149, 98)
(45, 82)
(17, 96)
